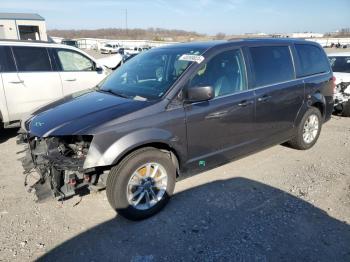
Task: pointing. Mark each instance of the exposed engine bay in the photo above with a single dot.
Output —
(342, 94)
(58, 165)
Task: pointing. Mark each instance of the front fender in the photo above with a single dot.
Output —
(104, 153)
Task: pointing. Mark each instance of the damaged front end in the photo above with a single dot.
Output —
(342, 95)
(57, 163)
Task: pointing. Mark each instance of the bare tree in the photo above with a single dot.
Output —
(220, 36)
(137, 34)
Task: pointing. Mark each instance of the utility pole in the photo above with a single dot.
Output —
(126, 20)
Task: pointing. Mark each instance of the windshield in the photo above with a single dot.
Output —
(340, 63)
(150, 74)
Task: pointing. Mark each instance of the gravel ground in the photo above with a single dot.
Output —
(277, 205)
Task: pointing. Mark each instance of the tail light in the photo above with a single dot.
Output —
(333, 84)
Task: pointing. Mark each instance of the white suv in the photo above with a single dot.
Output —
(35, 73)
(109, 48)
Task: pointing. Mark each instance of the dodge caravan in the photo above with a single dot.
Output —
(175, 109)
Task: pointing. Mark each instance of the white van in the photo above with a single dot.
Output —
(35, 73)
(110, 48)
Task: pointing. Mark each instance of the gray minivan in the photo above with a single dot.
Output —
(175, 109)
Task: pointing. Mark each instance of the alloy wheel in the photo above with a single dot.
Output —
(147, 186)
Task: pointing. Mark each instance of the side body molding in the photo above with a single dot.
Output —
(107, 150)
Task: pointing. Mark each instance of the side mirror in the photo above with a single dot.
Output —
(99, 68)
(199, 93)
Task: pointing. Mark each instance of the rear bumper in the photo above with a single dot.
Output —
(329, 108)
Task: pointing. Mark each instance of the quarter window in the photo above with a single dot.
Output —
(225, 73)
(73, 61)
(312, 60)
(6, 60)
(31, 58)
(272, 64)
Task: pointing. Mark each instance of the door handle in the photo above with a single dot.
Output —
(245, 103)
(70, 79)
(264, 98)
(17, 82)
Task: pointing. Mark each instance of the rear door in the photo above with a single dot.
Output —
(279, 95)
(33, 84)
(223, 126)
(314, 69)
(77, 71)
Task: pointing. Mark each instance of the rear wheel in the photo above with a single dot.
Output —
(346, 109)
(308, 131)
(142, 184)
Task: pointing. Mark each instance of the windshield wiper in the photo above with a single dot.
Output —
(113, 93)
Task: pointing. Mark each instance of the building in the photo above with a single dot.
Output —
(306, 35)
(22, 26)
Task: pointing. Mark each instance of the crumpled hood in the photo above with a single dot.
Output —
(76, 115)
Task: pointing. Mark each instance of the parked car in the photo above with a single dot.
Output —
(132, 51)
(340, 63)
(70, 42)
(189, 106)
(110, 48)
(35, 73)
(112, 62)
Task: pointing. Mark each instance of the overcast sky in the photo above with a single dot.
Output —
(204, 16)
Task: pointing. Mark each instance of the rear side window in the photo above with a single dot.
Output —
(312, 60)
(31, 59)
(6, 60)
(272, 64)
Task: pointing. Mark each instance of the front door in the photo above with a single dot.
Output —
(220, 128)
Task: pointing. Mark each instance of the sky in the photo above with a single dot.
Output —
(203, 16)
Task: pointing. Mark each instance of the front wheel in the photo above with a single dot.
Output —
(142, 184)
(308, 131)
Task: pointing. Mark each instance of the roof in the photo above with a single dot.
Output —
(41, 44)
(236, 42)
(20, 16)
(204, 44)
(347, 54)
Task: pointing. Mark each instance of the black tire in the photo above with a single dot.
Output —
(120, 175)
(297, 141)
(346, 109)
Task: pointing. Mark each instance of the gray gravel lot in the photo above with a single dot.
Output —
(277, 205)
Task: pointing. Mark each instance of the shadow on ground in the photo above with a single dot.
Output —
(6, 134)
(230, 220)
